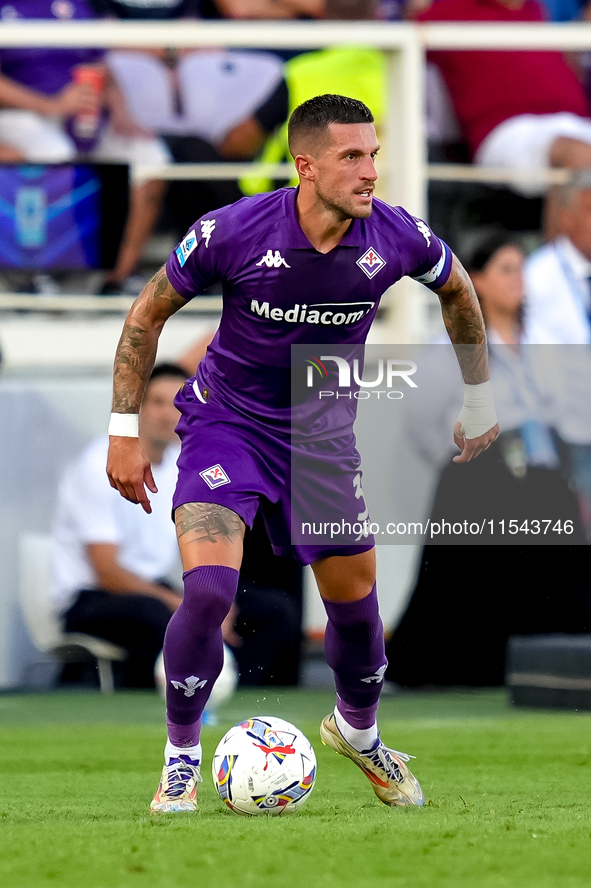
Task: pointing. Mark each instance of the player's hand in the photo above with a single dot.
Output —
(73, 99)
(471, 447)
(129, 471)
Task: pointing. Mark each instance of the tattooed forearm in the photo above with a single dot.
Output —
(465, 325)
(208, 522)
(137, 347)
(133, 364)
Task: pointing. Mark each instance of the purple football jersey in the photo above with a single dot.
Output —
(45, 69)
(279, 291)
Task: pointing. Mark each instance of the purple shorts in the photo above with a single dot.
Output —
(310, 494)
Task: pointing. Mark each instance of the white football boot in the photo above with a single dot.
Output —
(393, 783)
(177, 790)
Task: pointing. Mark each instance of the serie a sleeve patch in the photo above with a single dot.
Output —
(186, 247)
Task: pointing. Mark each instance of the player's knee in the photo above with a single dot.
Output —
(356, 622)
(209, 593)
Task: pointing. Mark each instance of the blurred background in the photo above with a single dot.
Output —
(124, 122)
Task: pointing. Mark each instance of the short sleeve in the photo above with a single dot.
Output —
(426, 258)
(197, 262)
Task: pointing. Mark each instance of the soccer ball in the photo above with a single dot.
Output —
(223, 688)
(264, 766)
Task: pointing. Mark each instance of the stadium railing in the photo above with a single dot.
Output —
(404, 160)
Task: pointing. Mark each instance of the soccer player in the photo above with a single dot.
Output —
(300, 265)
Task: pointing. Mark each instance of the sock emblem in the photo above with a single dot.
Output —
(192, 684)
(377, 676)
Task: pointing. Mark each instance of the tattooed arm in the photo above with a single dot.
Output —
(128, 466)
(465, 326)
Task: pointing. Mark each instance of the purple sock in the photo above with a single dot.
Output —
(355, 651)
(194, 648)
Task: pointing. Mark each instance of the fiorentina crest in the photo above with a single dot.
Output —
(371, 262)
(214, 477)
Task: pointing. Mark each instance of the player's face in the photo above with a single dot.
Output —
(159, 416)
(345, 173)
(500, 283)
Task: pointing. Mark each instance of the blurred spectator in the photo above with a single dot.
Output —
(558, 275)
(50, 116)
(521, 589)
(228, 120)
(524, 110)
(558, 281)
(111, 560)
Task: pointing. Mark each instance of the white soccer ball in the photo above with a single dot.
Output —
(264, 766)
(223, 688)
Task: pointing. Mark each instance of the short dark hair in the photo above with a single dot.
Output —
(313, 117)
(483, 245)
(167, 368)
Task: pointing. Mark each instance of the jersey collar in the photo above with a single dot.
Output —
(298, 240)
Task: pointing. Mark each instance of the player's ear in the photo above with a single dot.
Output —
(304, 164)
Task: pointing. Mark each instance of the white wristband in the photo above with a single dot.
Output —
(124, 425)
(478, 413)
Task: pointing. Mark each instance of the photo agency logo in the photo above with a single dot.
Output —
(389, 372)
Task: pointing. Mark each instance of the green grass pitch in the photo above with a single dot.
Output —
(508, 790)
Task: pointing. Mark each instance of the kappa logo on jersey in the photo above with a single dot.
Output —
(186, 247)
(190, 685)
(371, 262)
(207, 229)
(215, 477)
(425, 231)
(273, 260)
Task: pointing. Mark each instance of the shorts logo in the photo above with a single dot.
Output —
(186, 247)
(215, 477)
(371, 262)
